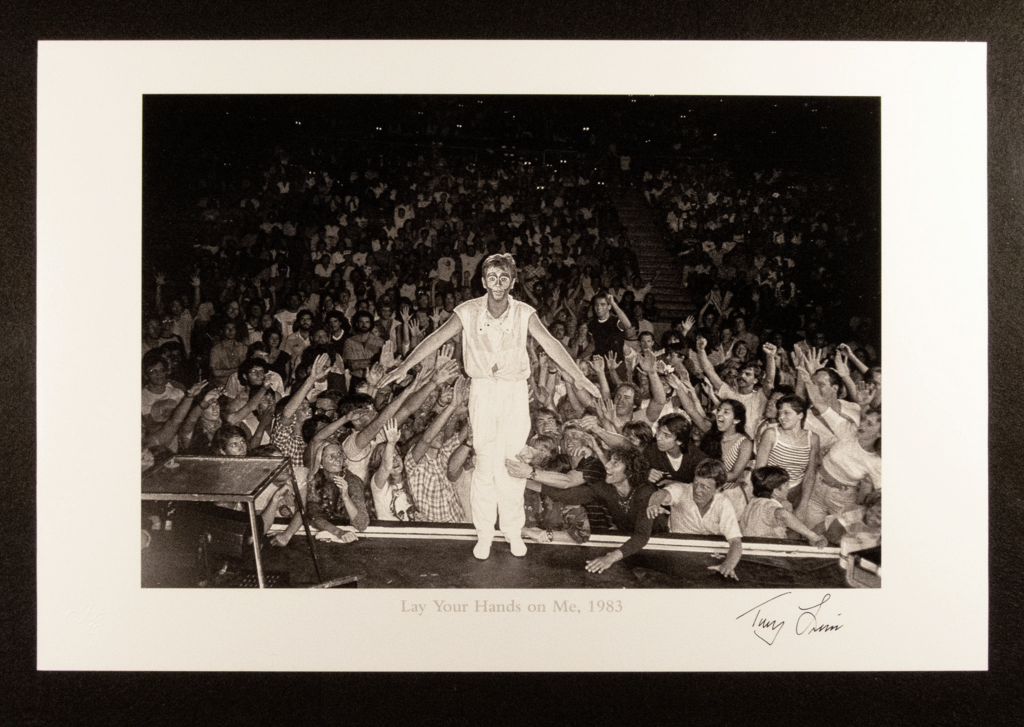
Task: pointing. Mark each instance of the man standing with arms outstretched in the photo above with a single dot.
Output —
(494, 337)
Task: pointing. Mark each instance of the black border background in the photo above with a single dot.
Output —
(44, 698)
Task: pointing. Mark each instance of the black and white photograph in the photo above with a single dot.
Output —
(491, 341)
(458, 343)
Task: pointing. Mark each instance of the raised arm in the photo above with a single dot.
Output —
(623, 318)
(688, 400)
(319, 371)
(861, 366)
(429, 345)
(768, 380)
(421, 447)
(649, 365)
(705, 365)
(560, 356)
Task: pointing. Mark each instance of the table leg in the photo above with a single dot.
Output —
(256, 533)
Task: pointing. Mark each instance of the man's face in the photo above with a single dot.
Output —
(498, 283)
(335, 324)
(646, 342)
(256, 376)
(665, 439)
(294, 301)
(547, 424)
(821, 380)
(153, 328)
(233, 309)
(423, 300)
(364, 324)
(167, 326)
(328, 407)
(229, 331)
(320, 337)
(741, 326)
(176, 308)
(747, 378)
(703, 491)
(386, 311)
(624, 398)
(602, 308)
(305, 322)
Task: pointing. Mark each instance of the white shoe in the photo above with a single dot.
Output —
(518, 547)
(482, 549)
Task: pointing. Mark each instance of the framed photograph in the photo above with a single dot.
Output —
(881, 206)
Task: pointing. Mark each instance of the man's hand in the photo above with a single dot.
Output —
(446, 373)
(606, 561)
(702, 343)
(655, 476)
(194, 391)
(320, 367)
(391, 431)
(160, 279)
(688, 324)
(656, 506)
(770, 350)
(613, 361)
(518, 469)
(375, 376)
(387, 355)
(841, 366)
(726, 571)
(597, 361)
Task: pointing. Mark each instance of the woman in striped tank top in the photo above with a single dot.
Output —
(789, 446)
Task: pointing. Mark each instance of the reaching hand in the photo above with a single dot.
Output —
(841, 366)
(461, 394)
(688, 324)
(648, 363)
(391, 431)
(194, 391)
(816, 360)
(320, 367)
(770, 350)
(375, 375)
(406, 315)
(518, 469)
(160, 279)
(444, 355)
(701, 343)
(195, 281)
(613, 361)
(446, 373)
(598, 363)
(211, 396)
(727, 571)
(435, 318)
(387, 355)
(600, 565)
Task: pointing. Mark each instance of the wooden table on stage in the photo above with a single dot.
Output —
(221, 479)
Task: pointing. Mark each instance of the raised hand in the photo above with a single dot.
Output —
(688, 324)
(211, 396)
(598, 363)
(375, 375)
(447, 372)
(406, 314)
(770, 350)
(387, 355)
(320, 367)
(160, 279)
(841, 367)
(461, 394)
(648, 363)
(195, 281)
(816, 360)
(391, 431)
(194, 391)
(444, 355)
(702, 343)
(613, 360)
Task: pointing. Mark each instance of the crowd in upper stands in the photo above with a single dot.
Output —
(312, 274)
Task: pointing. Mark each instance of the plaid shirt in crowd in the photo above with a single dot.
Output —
(435, 497)
(282, 434)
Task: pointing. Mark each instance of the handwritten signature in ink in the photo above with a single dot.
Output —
(769, 621)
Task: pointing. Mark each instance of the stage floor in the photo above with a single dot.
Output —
(173, 560)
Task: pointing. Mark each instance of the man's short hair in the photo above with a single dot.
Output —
(679, 425)
(503, 261)
(711, 469)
